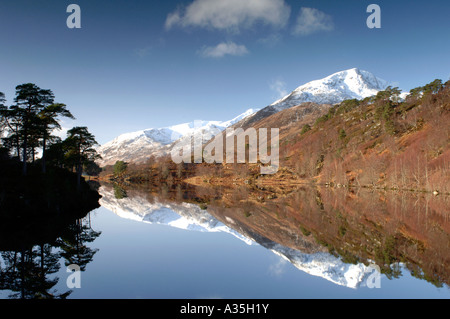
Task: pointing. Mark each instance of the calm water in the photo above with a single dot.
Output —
(139, 246)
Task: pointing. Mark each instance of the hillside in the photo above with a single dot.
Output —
(138, 147)
(344, 85)
(381, 141)
(377, 142)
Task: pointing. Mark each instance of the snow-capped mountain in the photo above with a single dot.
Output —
(138, 146)
(344, 85)
(338, 87)
(191, 217)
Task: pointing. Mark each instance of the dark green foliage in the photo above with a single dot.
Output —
(92, 169)
(347, 257)
(120, 167)
(348, 105)
(385, 108)
(48, 118)
(389, 127)
(30, 122)
(430, 88)
(323, 118)
(79, 148)
(342, 231)
(30, 101)
(305, 231)
(345, 106)
(247, 213)
(416, 92)
(387, 254)
(305, 129)
(342, 134)
(119, 192)
(390, 94)
(433, 87)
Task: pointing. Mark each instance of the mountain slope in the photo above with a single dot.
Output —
(338, 87)
(386, 143)
(138, 146)
(344, 85)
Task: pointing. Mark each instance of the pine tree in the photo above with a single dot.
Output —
(30, 101)
(49, 121)
(80, 151)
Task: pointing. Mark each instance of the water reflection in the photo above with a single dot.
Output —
(144, 207)
(335, 234)
(36, 239)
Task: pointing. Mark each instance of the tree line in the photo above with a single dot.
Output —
(386, 140)
(28, 125)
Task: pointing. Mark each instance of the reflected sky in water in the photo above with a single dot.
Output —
(153, 259)
(138, 260)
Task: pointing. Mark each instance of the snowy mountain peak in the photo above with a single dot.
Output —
(349, 84)
(138, 146)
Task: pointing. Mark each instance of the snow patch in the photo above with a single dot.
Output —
(140, 145)
(344, 85)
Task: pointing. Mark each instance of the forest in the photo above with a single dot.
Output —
(27, 129)
(41, 174)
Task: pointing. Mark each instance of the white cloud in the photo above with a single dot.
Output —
(279, 87)
(223, 49)
(277, 269)
(311, 20)
(230, 15)
(66, 125)
(271, 40)
(62, 133)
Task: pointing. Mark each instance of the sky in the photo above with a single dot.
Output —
(140, 64)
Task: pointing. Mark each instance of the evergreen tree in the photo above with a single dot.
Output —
(306, 128)
(30, 101)
(49, 122)
(433, 87)
(2, 109)
(120, 167)
(80, 151)
(92, 168)
(11, 121)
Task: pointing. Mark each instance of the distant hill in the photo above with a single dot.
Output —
(138, 146)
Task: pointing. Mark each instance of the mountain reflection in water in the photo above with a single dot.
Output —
(334, 234)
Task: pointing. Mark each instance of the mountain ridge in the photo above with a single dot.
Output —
(333, 89)
(139, 146)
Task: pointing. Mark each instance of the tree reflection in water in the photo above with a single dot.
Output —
(397, 231)
(28, 272)
(38, 230)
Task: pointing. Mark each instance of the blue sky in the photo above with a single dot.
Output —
(139, 64)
